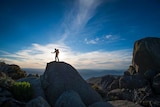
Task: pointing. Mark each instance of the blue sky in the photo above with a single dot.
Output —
(90, 34)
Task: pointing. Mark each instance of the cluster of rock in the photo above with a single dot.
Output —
(141, 82)
(13, 71)
(62, 86)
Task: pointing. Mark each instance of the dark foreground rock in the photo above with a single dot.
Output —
(123, 103)
(156, 83)
(62, 86)
(140, 83)
(13, 71)
(69, 98)
(132, 82)
(38, 102)
(101, 104)
(60, 77)
(102, 82)
(146, 55)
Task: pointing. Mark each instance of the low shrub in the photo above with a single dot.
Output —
(22, 91)
(99, 91)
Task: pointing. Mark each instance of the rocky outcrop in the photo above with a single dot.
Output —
(5, 81)
(13, 71)
(146, 55)
(114, 84)
(32, 75)
(102, 82)
(141, 82)
(132, 82)
(62, 86)
(120, 94)
(60, 77)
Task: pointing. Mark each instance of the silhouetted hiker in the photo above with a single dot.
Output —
(56, 55)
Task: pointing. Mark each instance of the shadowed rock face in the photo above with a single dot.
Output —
(124, 103)
(13, 71)
(69, 99)
(60, 77)
(146, 55)
(38, 102)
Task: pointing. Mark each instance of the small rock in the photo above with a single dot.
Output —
(38, 102)
(156, 84)
(120, 94)
(101, 104)
(69, 99)
(123, 103)
(131, 71)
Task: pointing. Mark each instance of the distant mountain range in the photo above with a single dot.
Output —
(88, 73)
(85, 73)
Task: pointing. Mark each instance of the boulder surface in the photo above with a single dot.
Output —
(69, 98)
(38, 102)
(60, 77)
(146, 55)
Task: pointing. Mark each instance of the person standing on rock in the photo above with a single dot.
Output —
(56, 55)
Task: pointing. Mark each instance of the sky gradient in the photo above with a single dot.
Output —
(90, 34)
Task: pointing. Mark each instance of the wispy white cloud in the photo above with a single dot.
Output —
(79, 15)
(92, 41)
(113, 38)
(104, 39)
(38, 55)
(3, 52)
(86, 10)
(108, 36)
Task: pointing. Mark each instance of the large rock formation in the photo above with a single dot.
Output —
(141, 82)
(13, 71)
(60, 77)
(146, 55)
(132, 82)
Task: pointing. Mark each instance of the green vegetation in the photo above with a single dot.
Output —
(95, 87)
(98, 90)
(22, 91)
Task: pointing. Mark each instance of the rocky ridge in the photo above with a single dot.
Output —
(60, 77)
(62, 86)
(141, 82)
(12, 70)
